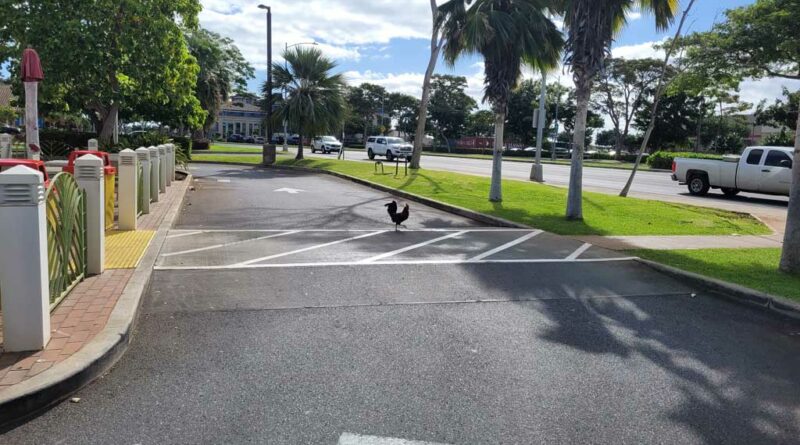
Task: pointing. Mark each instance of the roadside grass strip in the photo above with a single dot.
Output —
(753, 268)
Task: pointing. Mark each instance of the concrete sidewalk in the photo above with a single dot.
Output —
(684, 242)
(83, 316)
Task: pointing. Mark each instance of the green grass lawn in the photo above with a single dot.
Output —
(221, 147)
(542, 206)
(753, 268)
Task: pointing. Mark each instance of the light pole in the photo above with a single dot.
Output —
(269, 72)
(537, 172)
(286, 67)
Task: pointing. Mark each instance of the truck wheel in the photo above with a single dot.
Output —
(389, 155)
(698, 185)
(730, 193)
(370, 154)
(313, 150)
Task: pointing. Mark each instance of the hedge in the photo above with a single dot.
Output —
(664, 159)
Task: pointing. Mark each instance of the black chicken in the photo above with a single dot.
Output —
(397, 218)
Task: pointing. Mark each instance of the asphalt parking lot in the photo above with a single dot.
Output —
(286, 309)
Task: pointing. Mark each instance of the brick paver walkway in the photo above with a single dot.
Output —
(85, 311)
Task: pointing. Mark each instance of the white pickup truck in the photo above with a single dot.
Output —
(759, 170)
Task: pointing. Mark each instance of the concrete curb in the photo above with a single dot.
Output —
(460, 211)
(730, 291)
(54, 385)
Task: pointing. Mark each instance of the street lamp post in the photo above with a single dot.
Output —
(537, 171)
(269, 71)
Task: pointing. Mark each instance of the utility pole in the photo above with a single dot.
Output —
(269, 72)
(537, 171)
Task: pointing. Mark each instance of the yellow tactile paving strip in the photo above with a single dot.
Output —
(125, 249)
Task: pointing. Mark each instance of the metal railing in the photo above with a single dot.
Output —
(66, 236)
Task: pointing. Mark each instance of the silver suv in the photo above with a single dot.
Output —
(388, 146)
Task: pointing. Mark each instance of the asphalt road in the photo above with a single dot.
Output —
(592, 350)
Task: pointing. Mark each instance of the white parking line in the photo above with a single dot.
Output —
(357, 439)
(506, 246)
(266, 258)
(217, 246)
(181, 235)
(579, 252)
(412, 247)
(400, 263)
(444, 230)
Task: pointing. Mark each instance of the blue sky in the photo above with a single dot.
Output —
(387, 42)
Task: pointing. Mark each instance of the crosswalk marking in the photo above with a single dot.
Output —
(319, 246)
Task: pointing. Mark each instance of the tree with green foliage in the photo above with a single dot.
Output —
(507, 33)
(450, 106)
(366, 101)
(480, 123)
(591, 28)
(223, 70)
(403, 108)
(782, 113)
(7, 115)
(103, 56)
(760, 40)
(315, 102)
(622, 88)
(675, 121)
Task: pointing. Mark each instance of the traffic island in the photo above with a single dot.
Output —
(91, 327)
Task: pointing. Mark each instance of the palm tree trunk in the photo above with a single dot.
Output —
(583, 90)
(496, 190)
(422, 117)
(790, 259)
(299, 156)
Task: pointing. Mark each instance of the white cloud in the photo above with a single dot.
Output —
(638, 51)
(342, 27)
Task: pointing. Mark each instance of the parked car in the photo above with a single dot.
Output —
(325, 144)
(235, 138)
(9, 130)
(294, 139)
(7, 164)
(258, 140)
(249, 140)
(388, 146)
(277, 139)
(765, 170)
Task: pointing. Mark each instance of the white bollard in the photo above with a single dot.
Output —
(170, 153)
(93, 145)
(144, 160)
(162, 176)
(24, 279)
(128, 171)
(155, 174)
(89, 175)
(5, 146)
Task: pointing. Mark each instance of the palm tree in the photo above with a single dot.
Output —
(506, 33)
(592, 26)
(314, 101)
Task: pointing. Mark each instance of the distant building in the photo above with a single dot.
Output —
(240, 115)
(757, 132)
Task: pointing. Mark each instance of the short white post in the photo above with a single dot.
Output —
(144, 160)
(24, 282)
(155, 174)
(5, 146)
(170, 155)
(128, 170)
(93, 145)
(89, 175)
(162, 177)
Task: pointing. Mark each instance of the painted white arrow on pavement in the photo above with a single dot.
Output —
(289, 191)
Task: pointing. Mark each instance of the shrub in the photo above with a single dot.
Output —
(183, 148)
(663, 159)
(204, 144)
